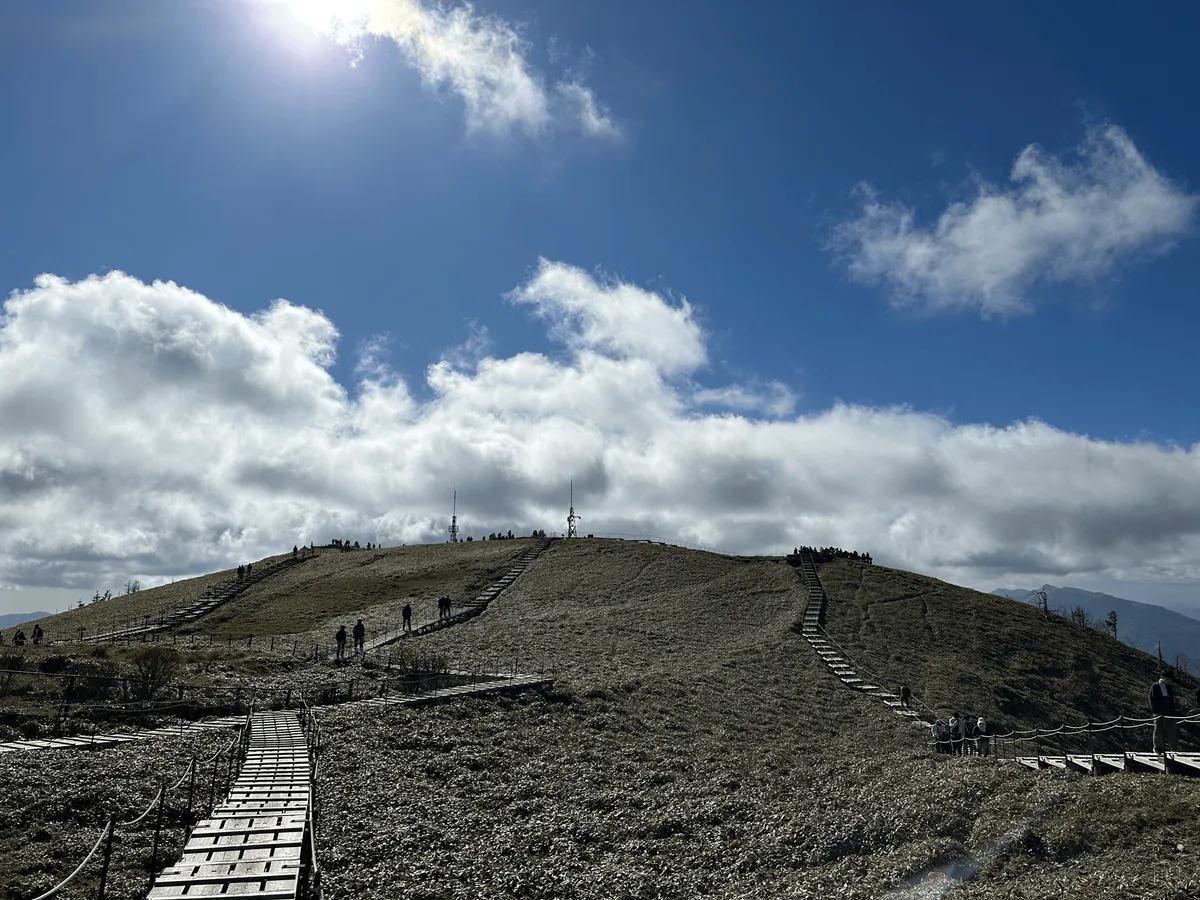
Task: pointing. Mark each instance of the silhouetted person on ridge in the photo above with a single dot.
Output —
(340, 637)
(241, 572)
(360, 635)
(406, 617)
(1162, 704)
(249, 569)
(295, 551)
(37, 634)
(905, 695)
(19, 638)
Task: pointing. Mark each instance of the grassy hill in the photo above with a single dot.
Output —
(966, 651)
(693, 744)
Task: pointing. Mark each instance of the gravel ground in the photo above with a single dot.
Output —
(55, 804)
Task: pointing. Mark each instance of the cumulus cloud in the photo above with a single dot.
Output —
(482, 59)
(616, 317)
(1056, 221)
(147, 431)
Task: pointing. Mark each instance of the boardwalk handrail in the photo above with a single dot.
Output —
(87, 859)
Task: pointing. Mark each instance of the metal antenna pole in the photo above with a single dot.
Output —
(454, 519)
(572, 531)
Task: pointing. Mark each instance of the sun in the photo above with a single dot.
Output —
(342, 20)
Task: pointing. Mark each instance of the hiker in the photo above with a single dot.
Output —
(360, 635)
(1162, 704)
(955, 747)
(249, 568)
(340, 637)
(37, 634)
(19, 638)
(965, 745)
(941, 737)
(447, 601)
(241, 572)
(795, 551)
(295, 551)
(905, 694)
(981, 737)
(406, 614)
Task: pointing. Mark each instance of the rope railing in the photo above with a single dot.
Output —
(104, 832)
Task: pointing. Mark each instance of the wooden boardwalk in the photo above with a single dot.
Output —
(470, 608)
(103, 741)
(252, 844)
(1101, 763)
(839, 665)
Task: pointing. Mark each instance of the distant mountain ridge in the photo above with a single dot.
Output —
(1141, 625)
(8, 620)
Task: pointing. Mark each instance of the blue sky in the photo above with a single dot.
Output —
(224, 146)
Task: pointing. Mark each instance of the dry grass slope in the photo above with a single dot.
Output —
(337, 587)
(968, 651)
(694, 747)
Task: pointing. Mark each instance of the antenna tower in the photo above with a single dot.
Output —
(454, 519)
(572, 531)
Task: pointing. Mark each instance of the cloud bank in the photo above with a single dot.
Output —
(482, 59)
(147, 431)
(1057, 221)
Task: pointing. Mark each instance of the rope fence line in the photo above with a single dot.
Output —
(159, 803)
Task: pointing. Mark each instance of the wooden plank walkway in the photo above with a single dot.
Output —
(814, 611)
(102, 741)
(470, 608)
(252, 843)
(1129, 761)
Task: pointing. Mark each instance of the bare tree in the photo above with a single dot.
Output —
(155, 667)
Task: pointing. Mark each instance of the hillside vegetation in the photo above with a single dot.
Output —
(694, 745)
(965, 651)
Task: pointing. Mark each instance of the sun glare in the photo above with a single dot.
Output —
(342, 20)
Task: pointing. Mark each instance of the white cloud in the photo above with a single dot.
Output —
(146, 431)
(582, 102)
(618, 318)
(773, 398)
(1056, 221)
(481, 58)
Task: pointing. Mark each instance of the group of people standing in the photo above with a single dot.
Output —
(961, 737)
(360, 638)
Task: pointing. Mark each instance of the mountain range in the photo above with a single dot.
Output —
(1141, 625)
(8, 620)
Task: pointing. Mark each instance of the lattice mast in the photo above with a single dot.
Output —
(572, 531)
(454, 519)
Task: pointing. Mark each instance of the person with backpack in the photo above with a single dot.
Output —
(340, 638)
(905, 696)
(955, 746)
(19, 638)
(360, 636)
(1162, 705)
(406, 617)
(981, 737)
(965, 744)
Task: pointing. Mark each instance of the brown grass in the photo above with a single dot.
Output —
(340, 587)
(966, 651)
